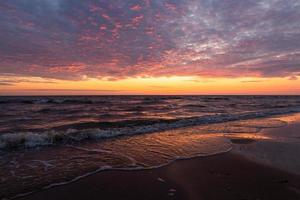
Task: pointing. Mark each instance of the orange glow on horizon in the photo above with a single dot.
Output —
(175, 85)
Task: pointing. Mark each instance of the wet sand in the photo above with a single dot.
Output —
(233, 175)
(226, 176)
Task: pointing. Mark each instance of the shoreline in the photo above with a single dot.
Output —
(280, 150)
(108, 170)
(237, 141)
(223, 176)
(228, 174)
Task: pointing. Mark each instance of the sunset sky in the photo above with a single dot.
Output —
(78, 47)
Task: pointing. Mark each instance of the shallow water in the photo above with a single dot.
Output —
(46, 157)
(278, 147)
(49, 166)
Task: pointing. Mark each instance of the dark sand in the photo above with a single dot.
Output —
(226, 176)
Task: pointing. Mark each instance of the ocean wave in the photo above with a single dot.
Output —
(95, 130)
(52, 101)
(115, 124)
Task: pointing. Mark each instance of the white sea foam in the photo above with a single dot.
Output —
(107, 168)
(30, 139)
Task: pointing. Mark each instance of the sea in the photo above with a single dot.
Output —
(47, 141)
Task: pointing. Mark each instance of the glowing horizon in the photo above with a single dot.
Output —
(154, 86)
(56, 47)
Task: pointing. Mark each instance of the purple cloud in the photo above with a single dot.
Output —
(74, 39)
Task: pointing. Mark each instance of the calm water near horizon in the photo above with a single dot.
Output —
(48, 141)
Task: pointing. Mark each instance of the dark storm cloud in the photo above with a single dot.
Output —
(75, 39)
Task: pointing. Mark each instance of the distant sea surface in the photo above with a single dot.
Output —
(48, 141)
(48, 120)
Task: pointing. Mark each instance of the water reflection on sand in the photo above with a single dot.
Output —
(38, 168)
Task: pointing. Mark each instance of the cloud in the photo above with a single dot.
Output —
(157, 86)
(252, 81)
(117, 39)
(12, 79)
(6, 83)
(72, 90)
(293, 78)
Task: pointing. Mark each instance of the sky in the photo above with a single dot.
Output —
(56, 47)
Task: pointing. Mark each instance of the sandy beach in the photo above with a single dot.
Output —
(225, 176)
(233, 175)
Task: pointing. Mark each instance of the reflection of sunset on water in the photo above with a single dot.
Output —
(133, 152)
(249, 136)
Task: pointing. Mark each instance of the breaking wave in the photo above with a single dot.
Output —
(96, 130)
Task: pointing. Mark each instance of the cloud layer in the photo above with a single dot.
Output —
(75, 39)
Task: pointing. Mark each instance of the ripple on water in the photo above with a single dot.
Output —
(50, 166)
